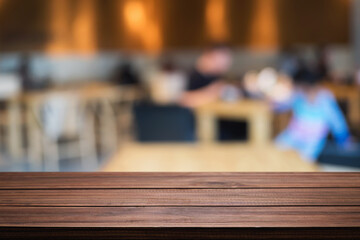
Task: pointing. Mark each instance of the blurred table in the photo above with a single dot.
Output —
(256, 113)
(232, 157)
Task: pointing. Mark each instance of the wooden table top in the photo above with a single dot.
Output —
(91, 90)
(224, 157)
(87, 91)
(245, 107)
(220, 205)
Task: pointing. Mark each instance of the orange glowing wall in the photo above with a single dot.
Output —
(75, 33)
(216, 20)
(264, 31)
(59, 37)
(83, 28)
(88, 26)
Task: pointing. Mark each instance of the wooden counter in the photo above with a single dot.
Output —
(180, 205)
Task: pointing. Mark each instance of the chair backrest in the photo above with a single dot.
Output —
(10, 86)
(164, 123)
(61, 115)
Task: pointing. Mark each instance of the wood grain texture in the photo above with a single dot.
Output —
(177, 180)
(200, 217)
(179, 205)
(181, 197)
(181, 233)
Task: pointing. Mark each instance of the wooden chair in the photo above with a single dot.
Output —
(52, 113)
(116, 121)
(11, 118)
(351, 95)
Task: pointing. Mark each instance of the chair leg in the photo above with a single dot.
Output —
(52, 157)
(129, 123)
(34, 142)
(14, 130)
(87, 145)
(108, 128)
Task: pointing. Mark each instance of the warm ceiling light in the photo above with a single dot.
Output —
(152, 37)
(134, 15)
(264, 28)
(84, 35)
(216, 19)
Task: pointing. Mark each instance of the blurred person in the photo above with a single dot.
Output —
(205, 80)
(322, 62)
(251, 86)
(167, 84)
(206, 84)
(162, 119)
(125, 74)
(289, 61)
(268, 84)
(315, 114)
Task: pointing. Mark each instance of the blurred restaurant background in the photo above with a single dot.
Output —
(179, 85)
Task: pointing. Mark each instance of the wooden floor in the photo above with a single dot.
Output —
(180, 205)
(205, 158)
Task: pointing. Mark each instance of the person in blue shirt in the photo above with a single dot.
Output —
(315, 115)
